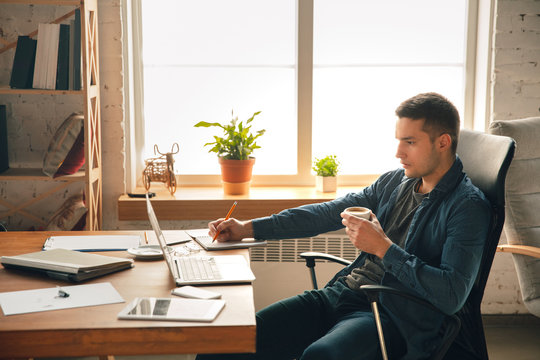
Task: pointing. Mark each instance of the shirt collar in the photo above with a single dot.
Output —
(449, 180)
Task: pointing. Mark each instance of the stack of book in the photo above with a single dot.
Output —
(53, 61)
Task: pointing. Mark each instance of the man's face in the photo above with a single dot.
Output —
(416, 152)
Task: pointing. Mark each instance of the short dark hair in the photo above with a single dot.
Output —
(439, 114)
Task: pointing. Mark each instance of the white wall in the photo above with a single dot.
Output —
(516, 75)
(516, 93)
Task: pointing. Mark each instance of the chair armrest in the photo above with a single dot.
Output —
(520, 249)
(372, 292)
(311, 256)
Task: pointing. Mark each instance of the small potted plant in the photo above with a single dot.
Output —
(234, 153)
(326, 170)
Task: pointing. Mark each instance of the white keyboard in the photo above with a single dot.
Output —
(198, 268)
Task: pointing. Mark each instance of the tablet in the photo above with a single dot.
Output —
(174, 309)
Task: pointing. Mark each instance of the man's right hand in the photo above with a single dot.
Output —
(231, 229)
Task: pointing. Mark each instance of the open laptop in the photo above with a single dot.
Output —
(200, 269)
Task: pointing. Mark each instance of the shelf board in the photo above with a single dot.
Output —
(37, 174)
(9, 91)
(43, 2)
(207, 203)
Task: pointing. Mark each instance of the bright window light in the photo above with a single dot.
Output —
(203, 59)
(369, 56)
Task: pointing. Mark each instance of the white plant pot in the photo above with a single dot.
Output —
(326, 183)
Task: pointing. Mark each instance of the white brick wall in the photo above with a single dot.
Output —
(516, 77)
(112, 122)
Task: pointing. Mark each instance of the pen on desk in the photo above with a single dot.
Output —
(62, 293)
(226, 218)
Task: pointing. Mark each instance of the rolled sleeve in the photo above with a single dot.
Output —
(263, 228)
(394, 259)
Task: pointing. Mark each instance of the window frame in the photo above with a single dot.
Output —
(476, 95)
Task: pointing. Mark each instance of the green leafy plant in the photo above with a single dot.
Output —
(327, 166)
(238, 141)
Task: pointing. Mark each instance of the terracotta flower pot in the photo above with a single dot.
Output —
(236, 175)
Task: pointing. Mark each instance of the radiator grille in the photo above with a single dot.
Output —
(287, 250)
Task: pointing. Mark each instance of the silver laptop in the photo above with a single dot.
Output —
(200, 269)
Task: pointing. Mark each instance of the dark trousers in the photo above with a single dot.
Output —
(331, 323)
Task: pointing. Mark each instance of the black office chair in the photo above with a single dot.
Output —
(486, 159)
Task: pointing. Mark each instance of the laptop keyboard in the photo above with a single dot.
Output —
(198, 268)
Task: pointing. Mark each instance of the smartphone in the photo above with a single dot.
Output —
(195, 293)
(143, 195)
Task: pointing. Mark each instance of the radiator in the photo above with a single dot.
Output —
(281, 273)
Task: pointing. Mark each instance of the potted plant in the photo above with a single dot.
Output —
(326, 170)
(234, 153)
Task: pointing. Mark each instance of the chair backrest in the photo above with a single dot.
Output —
(486, 159)
(522, 192)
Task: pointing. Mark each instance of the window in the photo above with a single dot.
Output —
(368, 57)
(326, 75)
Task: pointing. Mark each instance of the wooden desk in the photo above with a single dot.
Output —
(95, 330)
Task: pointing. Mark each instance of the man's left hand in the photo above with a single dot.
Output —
(366, 235)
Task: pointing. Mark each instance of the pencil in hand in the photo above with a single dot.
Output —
(226, 218)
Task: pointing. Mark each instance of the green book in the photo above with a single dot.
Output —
(22, 71)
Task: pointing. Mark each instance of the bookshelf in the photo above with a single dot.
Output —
(7, 91)
(90, 93)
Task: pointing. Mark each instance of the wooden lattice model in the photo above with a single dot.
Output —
(161, 169)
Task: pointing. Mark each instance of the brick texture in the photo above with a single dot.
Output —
(516, 77)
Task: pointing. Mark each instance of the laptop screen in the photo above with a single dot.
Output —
(167, 251)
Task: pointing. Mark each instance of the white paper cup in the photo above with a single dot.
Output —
(360, 212)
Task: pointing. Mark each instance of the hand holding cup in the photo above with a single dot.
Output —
(367, 235)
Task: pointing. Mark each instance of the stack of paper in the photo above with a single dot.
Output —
(92, 242)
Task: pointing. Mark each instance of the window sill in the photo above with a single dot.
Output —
(207, 203)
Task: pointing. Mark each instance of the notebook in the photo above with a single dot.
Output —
(67, 264)
(188, 270)
(202, 238)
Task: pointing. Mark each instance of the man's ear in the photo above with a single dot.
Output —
(445, 142)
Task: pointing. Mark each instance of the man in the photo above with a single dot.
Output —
(425, 237)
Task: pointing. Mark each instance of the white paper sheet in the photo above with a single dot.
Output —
(28, 301)
(92, 242)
